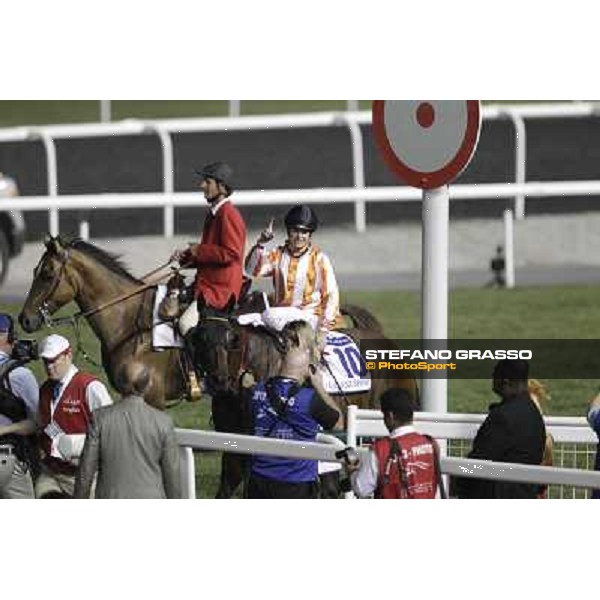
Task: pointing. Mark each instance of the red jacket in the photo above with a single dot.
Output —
(219, 257)
(418, 463)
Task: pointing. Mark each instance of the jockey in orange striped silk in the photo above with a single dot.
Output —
(302, 274)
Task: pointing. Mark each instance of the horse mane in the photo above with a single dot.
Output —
(362, 318)
(107, 259)
(263, 357)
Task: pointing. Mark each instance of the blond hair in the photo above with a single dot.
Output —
(539, 393)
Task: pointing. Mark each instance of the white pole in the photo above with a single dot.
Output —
(434, 287)
(360, 210)
(509, 252)
(352, 105)
(84, 230)
(105, 109)
(520, 160)
(52, 170)
(235, 108)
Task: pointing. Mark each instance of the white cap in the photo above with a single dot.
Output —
(53, 345)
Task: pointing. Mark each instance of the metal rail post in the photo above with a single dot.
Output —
(520, 159)
(168, 178)
(52, 176)
(509, 241)
(105, 111)
(358, 170)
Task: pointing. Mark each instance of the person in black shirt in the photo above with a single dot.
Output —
(498, 268)
(513, 432)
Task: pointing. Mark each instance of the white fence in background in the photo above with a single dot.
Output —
(165, 128)
(234, 108)
(479, 191)
(369, 423)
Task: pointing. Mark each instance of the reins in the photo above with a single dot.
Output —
(71, 319)
(74, 320)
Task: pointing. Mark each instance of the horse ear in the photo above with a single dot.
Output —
(54, 244)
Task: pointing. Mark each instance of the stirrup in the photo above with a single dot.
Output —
(194, 387)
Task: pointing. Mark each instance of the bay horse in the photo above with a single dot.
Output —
(78, 271)
(259, 351)
(75, 270)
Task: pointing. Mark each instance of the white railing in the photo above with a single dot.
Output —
(234, 108)
(369, 423)
(164, 128)
(463, 426)
(479, 191)
(324, 448)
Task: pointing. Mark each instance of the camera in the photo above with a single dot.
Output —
(24, 350)
(350, 456)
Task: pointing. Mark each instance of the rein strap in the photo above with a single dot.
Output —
(109, 303)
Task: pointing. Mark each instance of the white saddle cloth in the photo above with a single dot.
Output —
(163, 332)
(345, 371)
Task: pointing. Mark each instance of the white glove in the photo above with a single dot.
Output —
(70, 446)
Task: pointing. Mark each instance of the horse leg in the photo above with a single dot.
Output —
(233, 469)
(330, 485)
(227, 414)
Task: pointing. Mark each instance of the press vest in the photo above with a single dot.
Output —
(295, 423)
(417, 462)
(72, 414)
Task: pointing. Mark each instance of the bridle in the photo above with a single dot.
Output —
(150, 280)
(44, 309)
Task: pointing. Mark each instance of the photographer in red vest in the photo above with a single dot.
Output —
(404, 465)
(67, 399)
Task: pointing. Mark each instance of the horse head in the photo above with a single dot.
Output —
(51, 288)
(215, 340)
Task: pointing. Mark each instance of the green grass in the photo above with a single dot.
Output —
(40, 112)
(526, 313)
(43, 112)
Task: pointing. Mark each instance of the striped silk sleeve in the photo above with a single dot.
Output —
(330, 295)
(261, 263)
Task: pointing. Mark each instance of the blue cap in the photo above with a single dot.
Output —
(6, 323)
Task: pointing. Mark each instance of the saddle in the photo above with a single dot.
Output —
(176, 300)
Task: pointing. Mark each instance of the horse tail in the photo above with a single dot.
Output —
(362, 318)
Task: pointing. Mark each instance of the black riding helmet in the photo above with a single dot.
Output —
(219, 171)
(301, 217)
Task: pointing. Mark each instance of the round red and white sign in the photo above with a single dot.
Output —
(427, 143)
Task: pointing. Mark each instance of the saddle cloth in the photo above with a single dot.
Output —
(164, 334)
(345, 370)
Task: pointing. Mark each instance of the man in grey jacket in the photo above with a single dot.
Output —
(131, 445)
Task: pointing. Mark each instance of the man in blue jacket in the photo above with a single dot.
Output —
(292, 405)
